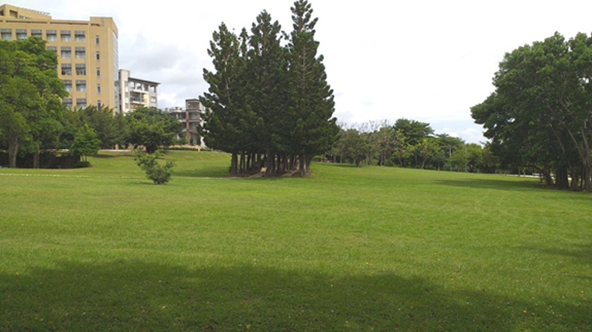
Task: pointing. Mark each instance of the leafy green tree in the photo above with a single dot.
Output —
(85, 143)
(110, 128)
(152, 128)
(351, 146)
(30, 94)
(414, 131)
(159, 174)
(427, 149)
(447, 145)
(539, 113)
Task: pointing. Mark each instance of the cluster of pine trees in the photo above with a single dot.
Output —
(269, 104)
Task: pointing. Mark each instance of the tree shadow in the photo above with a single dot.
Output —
(497, 184)
(203, 172)
(138, 296)
(581, 253)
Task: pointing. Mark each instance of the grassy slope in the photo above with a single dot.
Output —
(346, 249)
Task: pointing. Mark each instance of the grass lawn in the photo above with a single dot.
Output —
(347, 249)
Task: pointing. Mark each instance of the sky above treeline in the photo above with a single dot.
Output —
(428, 61)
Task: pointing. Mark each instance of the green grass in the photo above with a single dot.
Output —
(347, 249)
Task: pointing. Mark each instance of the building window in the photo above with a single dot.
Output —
(6, 34)
(98, 72)
(21, 34)
(79, 36)
(98, 89)
(68, 85)
(98, 103)
(80, 69)
(65, 36)
(153, 99)
(153, 88)
(66, 69)
(52, 35)
(81, 102)
(37, 33)
(53, 49)
(67, 102)
(80, 86)
(66, 53)
(98, 56)
(97, 39)
(80, 53)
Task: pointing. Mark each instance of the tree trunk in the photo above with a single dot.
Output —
(548, 177)
(575, 179)
(269, 163)
(302, 168)
(587, 164)
(13, 145)
(561, 178)
(36, 158)
(234, 164)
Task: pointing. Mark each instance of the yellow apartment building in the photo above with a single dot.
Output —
(88, 59)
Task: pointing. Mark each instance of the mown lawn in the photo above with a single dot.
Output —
(347, 249)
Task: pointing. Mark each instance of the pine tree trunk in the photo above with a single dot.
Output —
(269, 163)
(302, 167)
(233, 164)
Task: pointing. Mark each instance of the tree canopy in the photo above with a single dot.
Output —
(540, 113)
(152, 128)
(30, 95)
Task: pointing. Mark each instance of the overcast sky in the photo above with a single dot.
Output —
(428, 61)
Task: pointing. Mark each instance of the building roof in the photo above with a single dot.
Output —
(11, 11)
(142, 80)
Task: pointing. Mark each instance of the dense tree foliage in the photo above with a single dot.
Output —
(152, 128)
(385, 144)
(540, 113)
(30, 92)
(269, 105)
(110, 128)
(85, 143)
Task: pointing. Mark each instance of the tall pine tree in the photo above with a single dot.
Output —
(224, 102)
(267, 82)
(312, 101)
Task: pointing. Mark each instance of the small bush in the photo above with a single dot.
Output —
(159, 174)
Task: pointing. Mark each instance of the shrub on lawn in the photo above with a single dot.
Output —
(159, 174)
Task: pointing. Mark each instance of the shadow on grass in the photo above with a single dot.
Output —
(501, 184)
(112, 156)
(204, 172)
(581, 253)
(138, 296)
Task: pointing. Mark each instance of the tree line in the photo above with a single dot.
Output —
(269, 104)
(409, 143)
